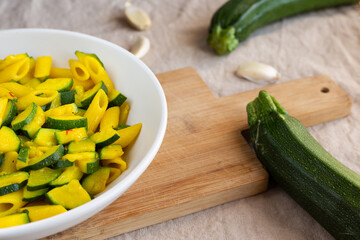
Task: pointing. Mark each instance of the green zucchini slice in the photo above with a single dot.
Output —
(90, 94)
(50, 157)
(45, 137)
(23, 157)
(66, 122)
(14, 219)
(25, 117)
(54, 103)
(41, 178)
(105, 138)
(96, 182)
(13, 182)
(88, 166)
(40, 212)
(69, 196)
(75, 134)
(12, 142)
(116, 98)
(111, 152)
(31, 128)
(67, 97)
(85, 145)
(66, 176)
(62, 163)
(10, 113)
(58, 84)
(29, 196)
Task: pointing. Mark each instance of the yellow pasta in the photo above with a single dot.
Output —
(6, 93)
(78, 70)
(3, 103)
(30, 73)
(42, 66)
(16, 89)
(56, 72)
(15, 71)
(110, 118)
(118, 163)
(9, 164)
(96, 111)
(124, 113)
(40, 97)
(12, 59)
(88, 84)
(97, 72)
(11, 202)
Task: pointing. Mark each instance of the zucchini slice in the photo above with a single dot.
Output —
(111, 152)
(81, 55)
(116, 98)
(105, 138)
(29, 196)
(10, 113)
(54, 103)
(14, 219)
(67, 109)
(41, 178)
(31, 128)
(13, 182)
(69, 196)
(37, 213)
(75, 134)
(51, 156)
(45, 137)
(72, 157)
(25, 117)
(89, 95)
(23, 157)
(88, 166)
(62, 163)
(66, 176)
(66, 122)
(128, 135)
(67, 97)
(96, 182)
(11, 141)
(84, 145)
(58, 84)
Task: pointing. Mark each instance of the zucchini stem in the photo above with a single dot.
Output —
(222, 40)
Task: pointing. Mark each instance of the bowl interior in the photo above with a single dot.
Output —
(130, 76)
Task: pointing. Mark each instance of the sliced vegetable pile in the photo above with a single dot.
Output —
(236, 20)
(324, 187)
(62, 136)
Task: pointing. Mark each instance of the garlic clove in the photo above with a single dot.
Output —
(136, 17)
(141, 47)
(258, 72)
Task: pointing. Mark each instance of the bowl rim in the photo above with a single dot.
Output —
(103, 199)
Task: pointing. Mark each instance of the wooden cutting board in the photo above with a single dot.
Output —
(204, 160)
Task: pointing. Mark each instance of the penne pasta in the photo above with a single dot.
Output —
(78, 70)
(56, 72)
(39, 97)
(42, 66)
(110, 118)
(96, 111)
(11, 202)
(15, 71)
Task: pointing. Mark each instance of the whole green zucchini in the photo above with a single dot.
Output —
(236, 20)
(324, 187)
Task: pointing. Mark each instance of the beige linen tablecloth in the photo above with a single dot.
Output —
(323, 42)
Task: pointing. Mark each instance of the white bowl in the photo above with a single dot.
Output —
(130, 76)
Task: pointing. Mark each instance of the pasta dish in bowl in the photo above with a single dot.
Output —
(82, 119)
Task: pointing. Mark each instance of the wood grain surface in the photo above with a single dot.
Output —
(204, 160)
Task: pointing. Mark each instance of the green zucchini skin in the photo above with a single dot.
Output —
(236, 20)
(325, 188)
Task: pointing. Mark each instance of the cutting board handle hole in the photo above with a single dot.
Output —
(325, 90)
